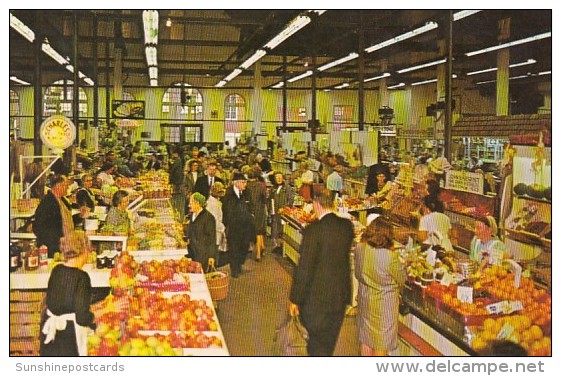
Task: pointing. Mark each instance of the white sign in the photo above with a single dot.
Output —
(465, 294)
(464, 181)
(58, 132)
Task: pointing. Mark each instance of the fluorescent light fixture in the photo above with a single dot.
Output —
(221, 83)
(428, 81)
(299, 77)
(510, 44)
(253, 58)
(278, 85)
(232, 75)
(319, 11)
(343, 85)
(46, 47)
(351, 56)
(294, 25)
(22, 28)
(377, 77)
(15, 79)
(69, 67)
(326, 90)
(168, 22)
(426, 65)
(464, 13)
(89, 81)
(424, 82)
(153, 73)
(153, 82)
(151, 56)
(150, 21)
(423, 29)
(516, 77)
(527, 62)
(81, 75)
(401, 84)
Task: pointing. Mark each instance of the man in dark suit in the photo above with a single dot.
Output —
(202, 231)
(153, 163)
(321, 286)
(238, 222)
(203, 183)
(53, 216)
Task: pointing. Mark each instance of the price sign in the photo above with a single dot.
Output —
(505, 332)
(446, 279)
(464, 181)
(505, 306)
(465, 294)
(431, 256)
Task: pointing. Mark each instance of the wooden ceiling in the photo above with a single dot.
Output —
(203, 46)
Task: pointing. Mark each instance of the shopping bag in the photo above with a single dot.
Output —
(291, 338)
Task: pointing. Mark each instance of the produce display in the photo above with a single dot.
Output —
(144, 318)
(156, 227)
(494, 308)
(154, 184)
(299, 215)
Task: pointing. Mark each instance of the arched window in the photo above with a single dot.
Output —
(234, 116)
(14, 114)
(58, 100)
(181, 105)
(182, 102)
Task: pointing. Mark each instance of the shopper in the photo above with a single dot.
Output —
(305, 181)
(321, 286)
(335, 182)
(85, 195)
(382, 192)
(380, 276)
(68, 316)
(264, 163)
(191, 176)
(434, 226)
(153, 163)
(238, 222)
(281, 197)
(214, 207)
(203, 183)
(118, 218)
(202, 231)
(474, 162)
(53, 216)
(257, 196)
(105, 175)
(177, 182)
(485, 247)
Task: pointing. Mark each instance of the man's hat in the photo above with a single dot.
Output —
(238, 176)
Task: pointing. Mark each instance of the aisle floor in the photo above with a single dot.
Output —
(258, 302)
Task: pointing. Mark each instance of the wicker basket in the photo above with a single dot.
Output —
(218, 283)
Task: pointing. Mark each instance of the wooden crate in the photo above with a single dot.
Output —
(24, 347)
(25, 322)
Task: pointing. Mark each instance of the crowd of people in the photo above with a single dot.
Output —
(227, 199)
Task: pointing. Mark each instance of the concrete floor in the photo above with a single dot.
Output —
(258, 302)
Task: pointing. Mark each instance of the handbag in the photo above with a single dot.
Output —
(291, 338)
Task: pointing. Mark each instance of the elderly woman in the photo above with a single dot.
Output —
(257, 195)
(380, 276)
(202, 231)
(281, 197)
(214, 207)
(118, 218)
(68, 317)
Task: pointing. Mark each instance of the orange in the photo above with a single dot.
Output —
(536, 332)
(478, 343)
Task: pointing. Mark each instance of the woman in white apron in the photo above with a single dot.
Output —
(68, 319)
